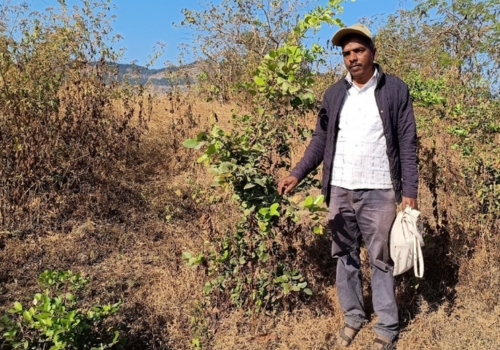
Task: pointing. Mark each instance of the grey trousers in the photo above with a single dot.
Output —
(368, 215)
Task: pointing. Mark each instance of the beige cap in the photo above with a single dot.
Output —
(354, 29)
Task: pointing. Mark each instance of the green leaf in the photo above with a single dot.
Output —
(249, 186)
(319, 200)
(308, 202)
(279, 279)
(18, 306)
(71, 315)
(201, 136)
(190, 143)
(307, 96)
(262, 247)
(202, 158)
(211, 149)
(273, 213)
(260, 182)
(263, 211)
(318, 230)
(285, 86)
(186, 256)
(263, 226)
(10, 334)
(42, 316)
(195, 260)
(302, 285)
(26, 315)
(259, 81)
(16, 344)
(308, 291)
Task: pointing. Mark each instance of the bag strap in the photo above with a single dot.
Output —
(418, 259)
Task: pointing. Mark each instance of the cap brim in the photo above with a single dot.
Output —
(337, 38)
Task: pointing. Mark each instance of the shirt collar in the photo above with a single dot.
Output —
(373, 80)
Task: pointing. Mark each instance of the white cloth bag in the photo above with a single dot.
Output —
(406, 243)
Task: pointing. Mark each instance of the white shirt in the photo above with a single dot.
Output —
(360, 160)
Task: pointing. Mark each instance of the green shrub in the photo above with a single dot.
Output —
(254, 266)
(56, 318)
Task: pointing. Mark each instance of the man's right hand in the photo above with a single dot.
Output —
(287, 184)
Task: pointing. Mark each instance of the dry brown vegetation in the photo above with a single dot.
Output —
(133, 253)
(124, 215)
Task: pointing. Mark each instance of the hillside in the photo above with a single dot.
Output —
(162, 79)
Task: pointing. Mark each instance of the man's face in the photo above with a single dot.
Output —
(358, 58)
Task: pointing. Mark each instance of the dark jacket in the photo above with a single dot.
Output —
(396, 110)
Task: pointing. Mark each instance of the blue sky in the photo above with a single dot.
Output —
(143, 23)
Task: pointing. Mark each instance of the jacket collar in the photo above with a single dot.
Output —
(381, 76)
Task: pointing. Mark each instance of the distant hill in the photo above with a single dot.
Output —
(159, 79)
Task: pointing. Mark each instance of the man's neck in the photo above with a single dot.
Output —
(362, 81)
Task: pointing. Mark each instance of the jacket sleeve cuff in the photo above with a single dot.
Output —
(297, 173)
(410, 193)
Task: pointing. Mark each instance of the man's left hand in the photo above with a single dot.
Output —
(411, 202)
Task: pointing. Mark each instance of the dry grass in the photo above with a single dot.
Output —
(134, 254)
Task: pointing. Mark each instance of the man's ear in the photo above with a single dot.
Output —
(375, 53)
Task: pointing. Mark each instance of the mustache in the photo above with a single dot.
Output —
(355, 65)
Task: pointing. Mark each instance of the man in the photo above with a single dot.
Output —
(366, 138)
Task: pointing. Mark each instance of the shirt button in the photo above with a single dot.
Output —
(381, 111)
